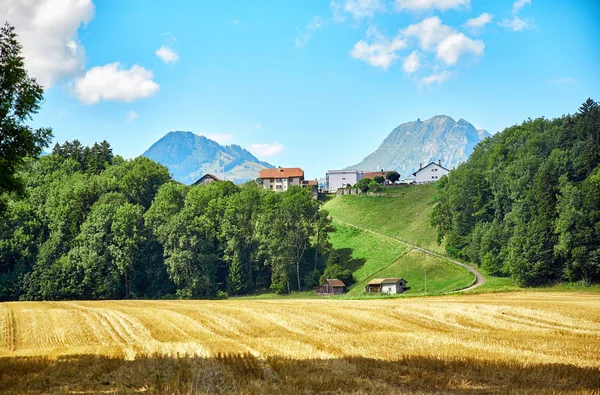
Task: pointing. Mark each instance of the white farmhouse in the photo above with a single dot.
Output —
(336, 179)
(430, 173)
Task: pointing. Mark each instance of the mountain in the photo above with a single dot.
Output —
(189, 156)
(438, 138)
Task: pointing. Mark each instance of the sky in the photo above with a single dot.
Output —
(316, 84)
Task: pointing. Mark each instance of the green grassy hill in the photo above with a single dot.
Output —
(403, 215)
(370, 255)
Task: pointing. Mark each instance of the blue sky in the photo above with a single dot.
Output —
(313, 84)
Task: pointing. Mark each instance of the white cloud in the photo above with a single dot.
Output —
(411, 63)
(47, 31)
(516, 24)
(429, 32)
(131, 116)
(475, 24)
(167, 55)
(315, 24)
(111, 82)
(266, 149)
(429, 4)
(364, 8)
(452, 47)
(380, 53)
(439, 78)
(338, 17)
(221, 138)
(517, 5)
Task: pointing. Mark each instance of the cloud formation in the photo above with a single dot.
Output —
(476, 24)
(455, 45)
(516, 24)
(517, 5)
(266, 149)
(411, 63)
(167, 55)
(315, 24)
(47, 31)
(417, 5)
(429, 32)
(439, 78)
(381, 52)
(111, 82)
(364, 8)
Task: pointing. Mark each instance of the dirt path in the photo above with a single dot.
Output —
(479, 278)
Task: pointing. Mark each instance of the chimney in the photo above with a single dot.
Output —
(420, 166)
(439, 162)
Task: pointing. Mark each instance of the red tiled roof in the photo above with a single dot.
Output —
(373, 174)
(281, 172)
(309, 182)
(334, 282)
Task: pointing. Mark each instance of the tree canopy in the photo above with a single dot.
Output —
(92, 225)
(20, 98)
(527, 202)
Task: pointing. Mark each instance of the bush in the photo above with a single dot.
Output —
(379, 179)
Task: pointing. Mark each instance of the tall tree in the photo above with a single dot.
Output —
(20, 98)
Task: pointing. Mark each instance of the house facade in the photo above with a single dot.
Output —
(280, 179)
(206, 179)
(430, 173)
(336, 179)
(312, 186)
(388, 286)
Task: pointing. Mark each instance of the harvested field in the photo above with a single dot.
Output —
(530, 342)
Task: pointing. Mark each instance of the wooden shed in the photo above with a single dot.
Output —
(331, 286)
(386, 285)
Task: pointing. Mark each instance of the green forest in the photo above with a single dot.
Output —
(527, 202)
(90, 225)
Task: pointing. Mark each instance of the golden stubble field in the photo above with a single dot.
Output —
(516, 342)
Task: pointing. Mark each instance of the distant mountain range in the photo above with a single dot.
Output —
(189, 156)
(438, 138)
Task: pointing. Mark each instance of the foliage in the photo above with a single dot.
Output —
(20, 98)
(363, 184)
(393, 176)
(95, 226)
(527, 203)
(379, 179)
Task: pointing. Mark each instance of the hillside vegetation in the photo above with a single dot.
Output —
(370, 255)
(527, 202)
(533, 342)
(404, 216)
(91, 225)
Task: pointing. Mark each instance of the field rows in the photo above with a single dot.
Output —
(524, 327)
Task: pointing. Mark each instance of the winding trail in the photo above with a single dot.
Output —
(479, 278)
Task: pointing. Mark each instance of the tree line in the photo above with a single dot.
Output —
(527, 202)
(91, 225)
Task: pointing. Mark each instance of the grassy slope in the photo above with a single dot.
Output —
(405, 215)
(372, 256)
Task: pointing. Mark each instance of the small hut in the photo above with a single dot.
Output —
(386, 285)
(331, 286)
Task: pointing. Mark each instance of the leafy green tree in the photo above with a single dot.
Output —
(363, 184)
(393, 176)
(379, 179)
(20, 98)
